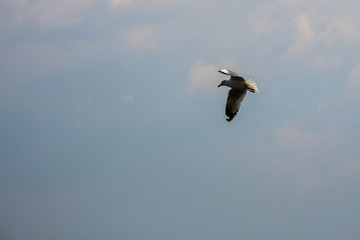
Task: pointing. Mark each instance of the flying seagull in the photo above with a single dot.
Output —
(236, 94)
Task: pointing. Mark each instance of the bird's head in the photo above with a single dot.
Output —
(222, 83)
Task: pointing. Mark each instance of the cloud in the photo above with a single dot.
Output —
(310, 25)
(36, 57)
(304, 35)
(352, 86)
(308, 158)
(327, 63)
(261, 21)
(12, 12)
(342, 28)
(203, 76)
(321, 107)
(127, 97)
(142, 37)
(206, 76)
(137, 3)
(120, 3)
(49, 14)
(265, 18)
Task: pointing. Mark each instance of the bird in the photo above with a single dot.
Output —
(239, 86)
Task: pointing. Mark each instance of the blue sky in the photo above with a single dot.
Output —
(112, 125)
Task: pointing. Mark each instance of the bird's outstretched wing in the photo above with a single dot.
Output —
(233, 75)
(235, 97)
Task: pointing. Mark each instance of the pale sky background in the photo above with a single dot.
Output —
(112, 125)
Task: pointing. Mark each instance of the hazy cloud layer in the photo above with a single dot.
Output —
(142, 37)
(113, 126)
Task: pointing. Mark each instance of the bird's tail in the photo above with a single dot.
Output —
(251, 86)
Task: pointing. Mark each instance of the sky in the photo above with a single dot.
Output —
(112, 125)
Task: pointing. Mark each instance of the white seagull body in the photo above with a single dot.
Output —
(239, 86)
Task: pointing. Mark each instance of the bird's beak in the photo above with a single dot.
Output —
(220, 85)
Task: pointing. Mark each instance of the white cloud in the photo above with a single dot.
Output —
(327, 63)
(262, 22)
(59, 14)
(38, 57)
(206, 76)
(16, 3)
(352, 86)
(48, 13)
(315, 25)
(203, 76)
(12, 12)
(137, 3)
(264, 19)
(263, 25)
(309, 158)
(142, 37)
(322, 106)
(342, 28)
(120, 3)
(127, 97)
(304, 35)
